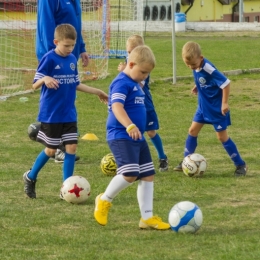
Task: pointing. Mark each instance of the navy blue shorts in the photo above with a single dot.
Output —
(133, 159)
(220, 126)
(51, 135)
(152, 122)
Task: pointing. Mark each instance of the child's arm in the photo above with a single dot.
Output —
(48, 81)
(123, 118)
(225, 96)
(121, 66)
(101, 94)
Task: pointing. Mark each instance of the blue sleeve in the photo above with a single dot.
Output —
(118, 92)
(45, 26)
(220, 79)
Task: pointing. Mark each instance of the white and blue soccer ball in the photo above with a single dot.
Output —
(185, 217)
(194, 165)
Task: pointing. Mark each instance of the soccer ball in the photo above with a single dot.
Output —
(194, 165)
(75, 189)
(108, 165)
(185, 217)
(33, 130)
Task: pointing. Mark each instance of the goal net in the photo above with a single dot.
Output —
(106, 24)
(18, 60)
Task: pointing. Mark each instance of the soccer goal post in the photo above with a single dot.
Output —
(106, 25)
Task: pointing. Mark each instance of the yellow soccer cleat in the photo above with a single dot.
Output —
(153, 222)
(101, 210)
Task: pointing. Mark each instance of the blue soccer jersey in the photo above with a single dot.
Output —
(128, 92)
(148, 97)
(210, 83)
(58, 105)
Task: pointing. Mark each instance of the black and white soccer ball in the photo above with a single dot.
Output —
(194, 165)
(33, 130)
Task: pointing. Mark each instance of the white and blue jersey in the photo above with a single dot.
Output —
(152, 122)
(58, 105)
(210, 83)
(128, 92)
(148, 97)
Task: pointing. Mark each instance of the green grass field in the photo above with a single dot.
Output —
(48, 228)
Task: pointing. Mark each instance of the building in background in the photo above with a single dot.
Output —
(203, 10)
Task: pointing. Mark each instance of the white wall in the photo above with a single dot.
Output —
(166, 26)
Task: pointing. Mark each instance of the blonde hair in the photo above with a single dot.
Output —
(142, 54)
(191, 50)
(65, 31)
(134, 41)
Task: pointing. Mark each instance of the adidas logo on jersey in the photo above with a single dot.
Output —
(135, 88)
(57, 67)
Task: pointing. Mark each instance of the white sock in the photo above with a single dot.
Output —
(117, 184)
(145, 198)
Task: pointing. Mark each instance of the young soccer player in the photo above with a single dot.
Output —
(51, 13)
(212, 88)
(152, 122)
(125, 136)
(57, 74)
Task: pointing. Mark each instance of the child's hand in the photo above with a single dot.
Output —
(121, 66)
(224, 108)
(103, 97)
(135, 133)
(194, 90)
(51, 82)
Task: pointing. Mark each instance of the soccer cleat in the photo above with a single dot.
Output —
(29, 186)
(178, 168)
(163, 165)
(60, 156)
(153, 222)
(241, 170)
(101, 210)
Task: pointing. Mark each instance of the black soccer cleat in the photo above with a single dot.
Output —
(240, 170)
(163, 165)
(29, 186)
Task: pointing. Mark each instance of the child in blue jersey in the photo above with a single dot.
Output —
(125, 136)
(152, 122)
(51, 13)
(212, 88)
(57, 75)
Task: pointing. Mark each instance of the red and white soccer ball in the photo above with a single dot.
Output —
(194, 165)
(75, 189)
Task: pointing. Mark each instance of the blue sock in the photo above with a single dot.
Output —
(157, 142)
(40, 161)
(68, 165)
(233, 153)
(191, 145)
